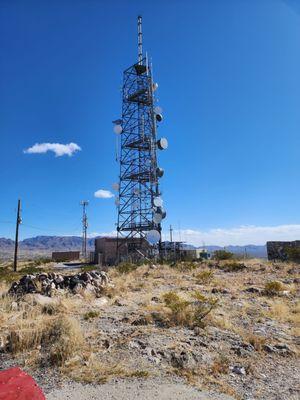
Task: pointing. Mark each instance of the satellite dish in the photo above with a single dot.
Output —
(157, 110)
(157, 217)
(117, 201)
(159, 172)
(115, 186)
(162, 144)
(154, 86)
(136, 191)
(153, 236)
(118, 129)
(159, 117)
(158, 201)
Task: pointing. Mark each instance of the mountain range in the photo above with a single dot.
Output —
(61, 243)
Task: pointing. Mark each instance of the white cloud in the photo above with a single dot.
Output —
(106, 234)
(57, 148)
(103, 194)
(241, 235)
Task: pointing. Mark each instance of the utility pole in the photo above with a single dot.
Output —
(84, 204)
(19, 221)
(171, 234)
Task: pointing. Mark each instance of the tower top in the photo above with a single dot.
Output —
(140, 40)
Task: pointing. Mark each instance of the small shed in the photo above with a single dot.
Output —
(61, 256)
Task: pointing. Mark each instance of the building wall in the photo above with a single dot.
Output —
(106, 250)
(279, 250)
(60, 256)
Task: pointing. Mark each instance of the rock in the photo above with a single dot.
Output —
(253, 290)
(218, 290)
(140, 321)
(198, 330)
(120, 303)
(182, 360)
(243, 349)
(100, 302)
(46, 283)
(90, 288)
(268, 348)
(238, 370)
(2, 344)
(14, 306)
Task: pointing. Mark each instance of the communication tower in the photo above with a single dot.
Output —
(84, 204)
(139, 201)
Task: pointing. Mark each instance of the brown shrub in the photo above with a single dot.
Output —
(273, 288)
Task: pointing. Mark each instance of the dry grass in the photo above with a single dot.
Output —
(220, 365)
(59, 338)
(91, 369)
(150, 302)
(284, 311)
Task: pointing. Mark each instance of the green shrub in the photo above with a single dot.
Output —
(233, 266)
(273, 288)
(223, 255)
(203, 306)
(41, 261)
(205, 276)
(125, 268)
(188, 313)
(90, 315)
(185, 266)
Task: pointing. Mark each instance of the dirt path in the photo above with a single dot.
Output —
(134, 390)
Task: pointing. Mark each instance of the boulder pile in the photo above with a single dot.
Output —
(47, 283)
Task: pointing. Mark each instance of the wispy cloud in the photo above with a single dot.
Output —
(103, 194)
(57, 148)
(241, 235)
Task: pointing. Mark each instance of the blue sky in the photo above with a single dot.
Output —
(229, 86)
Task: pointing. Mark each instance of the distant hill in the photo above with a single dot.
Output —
(61, 243)
(6, 243)
(49, 243)
(252, 250)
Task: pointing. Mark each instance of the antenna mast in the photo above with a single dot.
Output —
(84, 204)
(140, 40)
(139, 202)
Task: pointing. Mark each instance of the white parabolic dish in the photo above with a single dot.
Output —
(158, 201)
(153, 236)
(157, 218)
(118, 129)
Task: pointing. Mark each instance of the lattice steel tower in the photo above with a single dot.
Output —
(139, 202)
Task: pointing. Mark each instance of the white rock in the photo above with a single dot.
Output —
(36, 298)
(100, 302)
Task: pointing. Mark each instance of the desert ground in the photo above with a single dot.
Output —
(209, 330)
